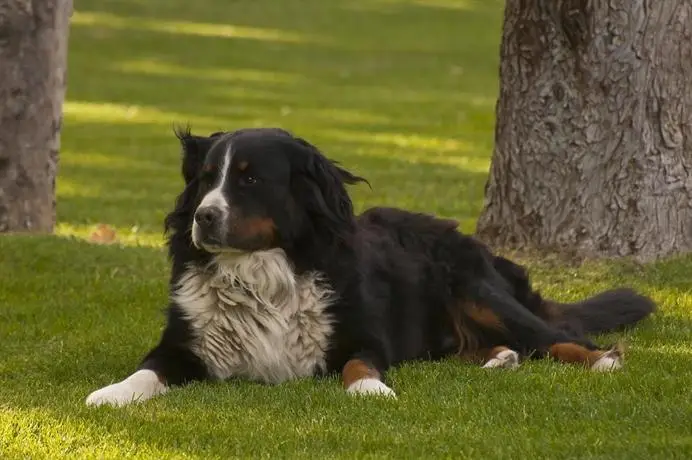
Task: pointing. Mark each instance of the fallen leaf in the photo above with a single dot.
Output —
(104, 234)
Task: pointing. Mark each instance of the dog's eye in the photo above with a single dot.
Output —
(248, 180)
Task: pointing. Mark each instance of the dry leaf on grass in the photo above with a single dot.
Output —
(104, 234)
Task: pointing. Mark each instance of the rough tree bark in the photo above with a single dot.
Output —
(593, 147)
(33, 62)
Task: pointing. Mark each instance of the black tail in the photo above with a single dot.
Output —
(604, 312)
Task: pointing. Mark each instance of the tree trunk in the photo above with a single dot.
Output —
(33, 62)
(593, 147)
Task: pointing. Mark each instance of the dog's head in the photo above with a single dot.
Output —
(256, 189)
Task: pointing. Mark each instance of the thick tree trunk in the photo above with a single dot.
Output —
(593, 145)
(33, 62)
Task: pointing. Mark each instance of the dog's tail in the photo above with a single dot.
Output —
(605, 312)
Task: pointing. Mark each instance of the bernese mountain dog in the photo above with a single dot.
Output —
(275, 278)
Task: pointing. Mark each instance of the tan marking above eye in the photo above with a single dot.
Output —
(242, 166)
(207, 168)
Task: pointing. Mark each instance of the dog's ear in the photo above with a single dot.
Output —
(321, 185)
(195, 149)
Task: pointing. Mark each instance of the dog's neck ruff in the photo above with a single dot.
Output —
(252, 317)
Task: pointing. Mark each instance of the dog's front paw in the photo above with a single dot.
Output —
(370, 386)
(140, 386)
(117, 394)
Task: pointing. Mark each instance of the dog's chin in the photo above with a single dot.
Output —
(214, 248)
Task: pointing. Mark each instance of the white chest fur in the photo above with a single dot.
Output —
(252, 317)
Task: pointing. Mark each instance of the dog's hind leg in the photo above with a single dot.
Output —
(492, 298)
(597, 360)
(531, 333)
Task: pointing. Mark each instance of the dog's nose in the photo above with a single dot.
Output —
(208, 216)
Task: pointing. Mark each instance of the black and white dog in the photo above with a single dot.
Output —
(275, 278)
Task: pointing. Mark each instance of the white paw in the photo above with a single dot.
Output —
(370, 387)
(138, 387)
(506, 359)
(610, 361)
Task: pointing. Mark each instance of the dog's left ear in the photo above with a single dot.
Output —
(195, 149)
(322, 186)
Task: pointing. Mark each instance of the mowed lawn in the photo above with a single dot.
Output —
(400, 91)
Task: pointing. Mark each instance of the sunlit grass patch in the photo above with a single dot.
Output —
(154, 67)
(112, 21)
(110, 113)
(124, 236)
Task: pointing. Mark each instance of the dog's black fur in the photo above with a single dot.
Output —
(406, 284)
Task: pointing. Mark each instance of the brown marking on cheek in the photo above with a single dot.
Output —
(207, 168)
(575, 353)
(242, 166)
(357, 369)
(485, 317)
(257, 229)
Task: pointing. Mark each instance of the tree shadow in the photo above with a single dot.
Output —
(377, 47)
(671, 275)
(402, 91)
(128, 183)
(349, 66)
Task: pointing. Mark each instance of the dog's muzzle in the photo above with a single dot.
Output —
(207, 227)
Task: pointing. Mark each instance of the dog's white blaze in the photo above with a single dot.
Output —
(215, 198)
(253, 317)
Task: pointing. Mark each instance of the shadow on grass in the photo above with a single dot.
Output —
(376, 58)
(403, 92)
(671, 274)
(134, 179)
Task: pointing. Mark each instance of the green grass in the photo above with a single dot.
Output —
(402, 92)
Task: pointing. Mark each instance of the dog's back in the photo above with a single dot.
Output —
(433, 255)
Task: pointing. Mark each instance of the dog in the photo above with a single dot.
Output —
(275, 278)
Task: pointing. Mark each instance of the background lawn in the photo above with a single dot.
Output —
(400, 91)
